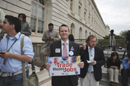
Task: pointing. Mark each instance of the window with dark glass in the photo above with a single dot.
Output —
(37, 16)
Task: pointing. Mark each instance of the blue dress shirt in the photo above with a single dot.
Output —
(126, 65)
(14, 65)
(93, 54)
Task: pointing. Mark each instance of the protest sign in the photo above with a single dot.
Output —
(64, 66)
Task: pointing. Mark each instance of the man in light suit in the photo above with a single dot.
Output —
(91, 74)
(49, 37)
(64, 80)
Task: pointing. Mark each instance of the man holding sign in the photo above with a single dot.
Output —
(65, 48)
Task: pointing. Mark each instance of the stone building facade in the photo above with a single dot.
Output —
(82, 16)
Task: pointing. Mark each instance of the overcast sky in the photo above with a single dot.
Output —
(115, 13)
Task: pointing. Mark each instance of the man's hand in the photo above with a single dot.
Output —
(6, 55)
(81, 64)
(128, 60)
(50, 38)
(48, 66)
(93, 62)
(116, 67)
(84, 46)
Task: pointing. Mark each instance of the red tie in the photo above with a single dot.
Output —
(65, 49)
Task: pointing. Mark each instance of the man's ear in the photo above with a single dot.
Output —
(12, 26)
(69, 32)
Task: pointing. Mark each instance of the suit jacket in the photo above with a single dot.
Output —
(99, 58)
(59, 80)
(46, 35)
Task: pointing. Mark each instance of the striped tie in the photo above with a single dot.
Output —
(65, 49)
(91, 58)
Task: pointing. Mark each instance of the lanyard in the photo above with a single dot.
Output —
(12, 44)
(10, 47)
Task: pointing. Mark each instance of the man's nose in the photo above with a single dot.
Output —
(2, 25)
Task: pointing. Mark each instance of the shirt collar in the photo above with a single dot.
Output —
(66, 42)
(15, 37)
(51, 31)
(89, 48)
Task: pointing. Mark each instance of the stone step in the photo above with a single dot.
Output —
(47, 83)
(43, 75)
(105, 78)
(45, 80)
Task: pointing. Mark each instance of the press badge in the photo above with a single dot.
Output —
(57, 50)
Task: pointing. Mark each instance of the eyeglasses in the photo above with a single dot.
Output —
(93, 41)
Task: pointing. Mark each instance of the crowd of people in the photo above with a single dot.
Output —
(91, 72)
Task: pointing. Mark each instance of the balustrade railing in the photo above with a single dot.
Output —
(102, 43)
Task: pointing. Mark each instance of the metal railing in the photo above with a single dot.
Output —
(104, 43)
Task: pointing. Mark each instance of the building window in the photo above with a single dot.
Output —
(41, 1)
(71, 5)
(80, 33)
(85, 16)
(37, 16)
(89, 18)
(79, 11)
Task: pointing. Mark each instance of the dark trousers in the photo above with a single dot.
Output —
(125, 73)
(15, 80)
(63, 81)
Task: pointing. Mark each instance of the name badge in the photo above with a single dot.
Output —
(57, 50)
(72, 49)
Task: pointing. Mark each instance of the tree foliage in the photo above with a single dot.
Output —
(116, 37)
(124, 33)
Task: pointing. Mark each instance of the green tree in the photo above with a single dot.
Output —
(106, 37)
(116, 37)
(124, 33)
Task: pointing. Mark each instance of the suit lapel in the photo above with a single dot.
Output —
(95, 53)
(48, 33)
(87, 54)
(70, 45)
(60, 45)
(53, 33)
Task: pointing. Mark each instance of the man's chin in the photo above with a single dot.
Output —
(64, 38)
(3, 31)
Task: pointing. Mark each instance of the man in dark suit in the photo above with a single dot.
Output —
(64, 80)
(93, 58)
